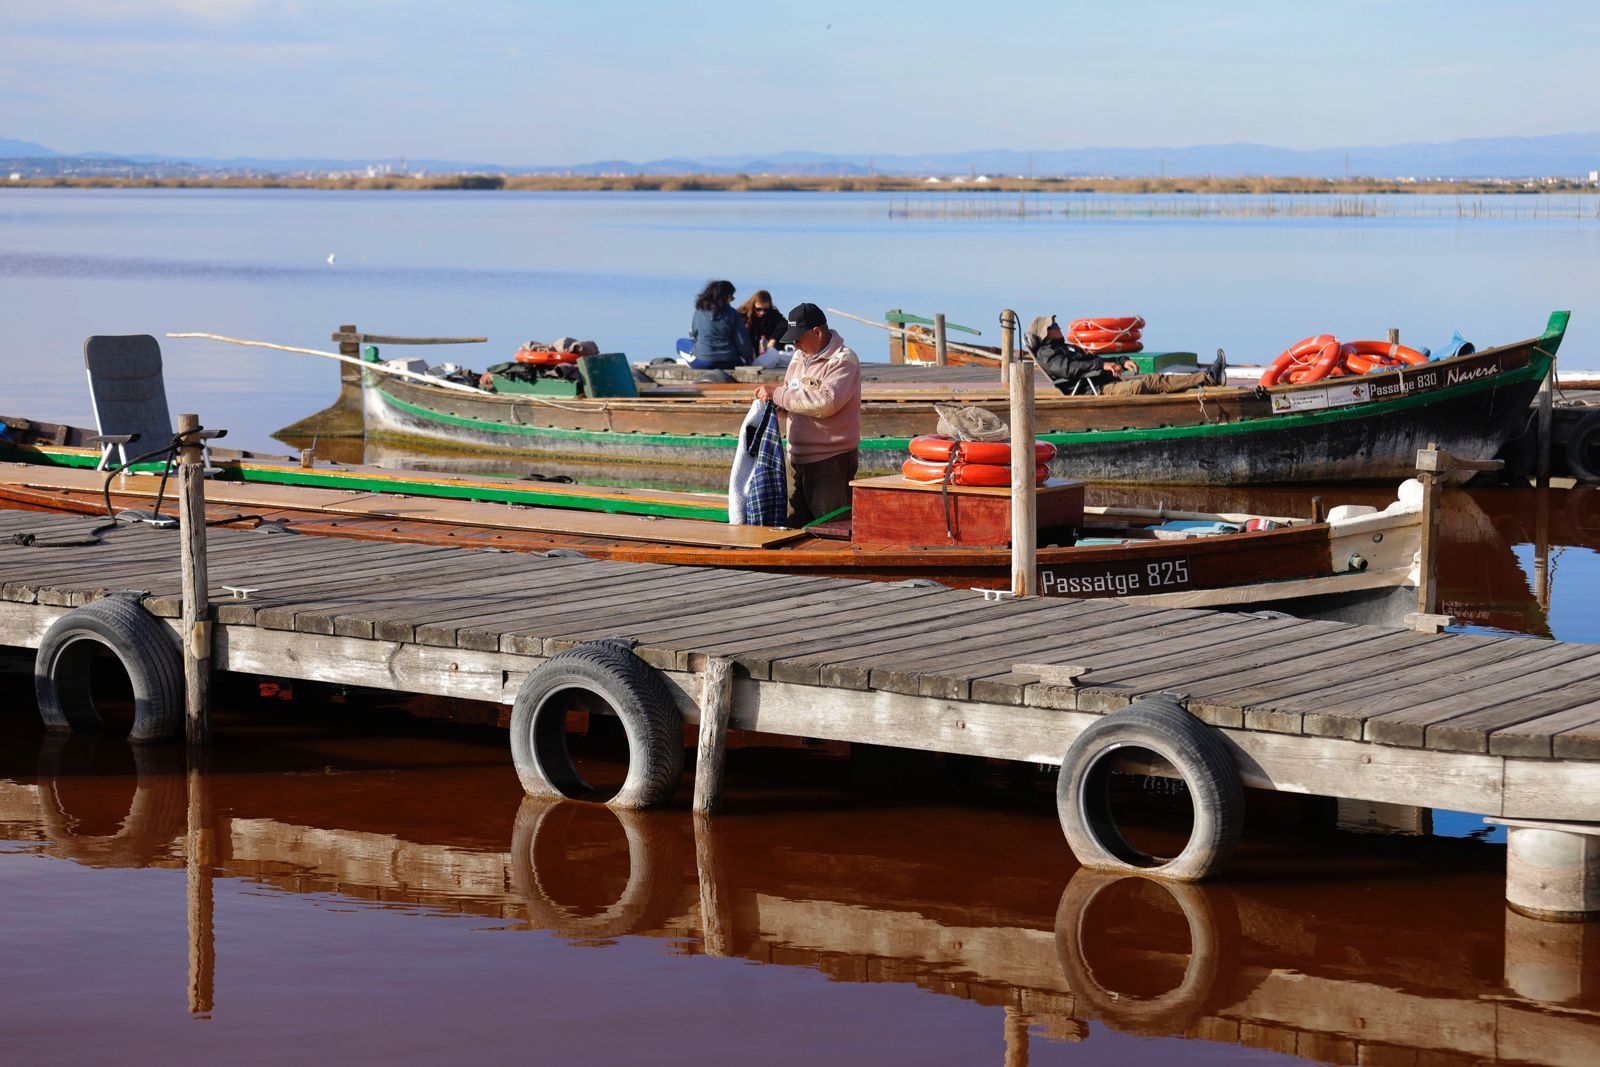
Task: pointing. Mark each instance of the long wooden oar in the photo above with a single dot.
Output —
(379, 367)
(920, 337)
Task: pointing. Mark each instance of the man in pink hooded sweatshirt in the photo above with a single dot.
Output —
(821, 394)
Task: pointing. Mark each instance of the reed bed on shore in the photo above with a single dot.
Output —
(951, 196)
(1024, 206)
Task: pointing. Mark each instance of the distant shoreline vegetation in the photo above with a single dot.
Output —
(983, 187)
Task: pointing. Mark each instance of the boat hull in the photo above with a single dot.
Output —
(1352, 429)
(1269, 568)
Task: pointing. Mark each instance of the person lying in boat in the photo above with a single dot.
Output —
(1070, 367)
(721, 341)
(821, 393)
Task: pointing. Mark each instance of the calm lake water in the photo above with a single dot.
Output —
(375, 888)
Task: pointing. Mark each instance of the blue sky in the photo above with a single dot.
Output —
(534, 82)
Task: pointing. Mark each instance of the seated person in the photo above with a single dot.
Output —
(1067, 365)
(721, 340)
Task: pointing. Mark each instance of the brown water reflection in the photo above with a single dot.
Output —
(1326, 946)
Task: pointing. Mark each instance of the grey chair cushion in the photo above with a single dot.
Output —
(128, 391)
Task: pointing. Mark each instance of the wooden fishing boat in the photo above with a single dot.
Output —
(1366, 428)
(1351, 561)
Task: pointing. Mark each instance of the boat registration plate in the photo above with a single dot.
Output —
(1116, 578)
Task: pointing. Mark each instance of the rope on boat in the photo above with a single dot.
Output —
(167, 452)
(924, 338)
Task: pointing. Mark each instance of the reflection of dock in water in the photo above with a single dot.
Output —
(1380, 951)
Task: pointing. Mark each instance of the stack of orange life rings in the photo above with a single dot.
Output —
(1107, 336)
(938, 458)
(544, 357)
(1325, 356)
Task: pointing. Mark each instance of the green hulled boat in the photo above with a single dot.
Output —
(1359, 428)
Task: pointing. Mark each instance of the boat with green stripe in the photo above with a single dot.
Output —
(1359, 428)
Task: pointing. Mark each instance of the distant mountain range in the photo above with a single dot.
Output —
(1571, 155)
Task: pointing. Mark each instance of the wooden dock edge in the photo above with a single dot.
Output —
(1477, 783)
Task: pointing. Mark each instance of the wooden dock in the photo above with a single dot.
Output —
(1496, 725)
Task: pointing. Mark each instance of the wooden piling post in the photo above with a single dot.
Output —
(1024, 496)
(196, 603)
(1008, 352)
(941, 342)
(349, 372)
(1429, 467)
(716, 706)
(897, 341)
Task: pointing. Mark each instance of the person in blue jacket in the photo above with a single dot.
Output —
(721, 340)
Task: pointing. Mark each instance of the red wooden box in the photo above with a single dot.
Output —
(894, 510)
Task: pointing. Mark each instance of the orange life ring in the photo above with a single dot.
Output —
(989, 474)
(1308, 356)
(1082, 337)
(937, 447)
(1110, 348)
(544, 357)
(1362, 356)
(1116, 325)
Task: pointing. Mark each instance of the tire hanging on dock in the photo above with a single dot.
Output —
(1582, 462)
(147, 649)
(1161, 725)
(634, 691)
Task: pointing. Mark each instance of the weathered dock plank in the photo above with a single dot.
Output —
(1491, 724)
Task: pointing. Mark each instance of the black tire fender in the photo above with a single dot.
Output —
(1582, 438)
(147, 649)
(634, 690)
(560, 875)
(1197, 751)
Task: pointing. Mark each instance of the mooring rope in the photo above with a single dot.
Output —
(96, 536)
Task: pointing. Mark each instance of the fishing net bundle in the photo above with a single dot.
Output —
(966, 423)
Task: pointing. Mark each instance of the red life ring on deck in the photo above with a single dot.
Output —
(1109, 348)
(1312, 358)
(989, 474)
(1362, 356)
(1083, 337)
(544, 357)
(1115, 325)
(937, 447)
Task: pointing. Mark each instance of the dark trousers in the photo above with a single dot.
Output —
(821, 487)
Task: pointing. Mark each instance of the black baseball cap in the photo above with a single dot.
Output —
(802, 318)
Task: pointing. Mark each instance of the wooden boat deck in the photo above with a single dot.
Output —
(268, 500)
(1496, 724)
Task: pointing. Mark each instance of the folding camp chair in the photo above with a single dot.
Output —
(1079, 390)
(128, 395)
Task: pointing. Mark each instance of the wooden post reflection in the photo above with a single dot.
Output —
(1017, 1022)
(1541, 549)
(715, 906)
(200, 850)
